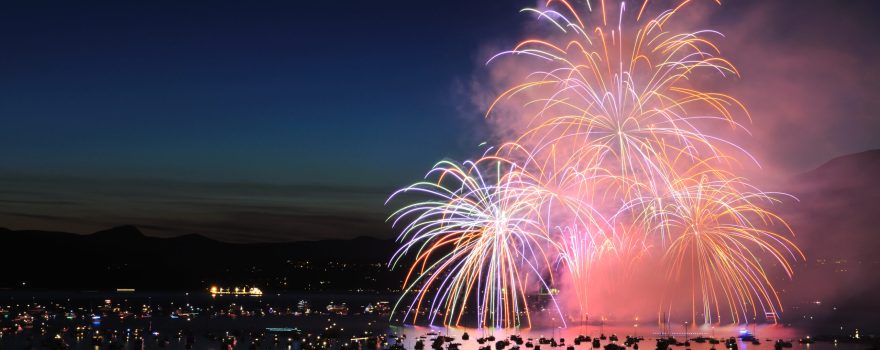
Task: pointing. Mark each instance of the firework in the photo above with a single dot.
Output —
(717, 245)
(613, 162)
(477, 243)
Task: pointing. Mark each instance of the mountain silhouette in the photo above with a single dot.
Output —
(123, 257)
(835, 220)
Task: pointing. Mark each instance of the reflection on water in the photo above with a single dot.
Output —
(182, 321)
(253, 334)
(565, 337)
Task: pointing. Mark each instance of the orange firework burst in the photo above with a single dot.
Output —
(612, 159)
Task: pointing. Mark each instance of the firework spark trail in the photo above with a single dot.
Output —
(716, 228)
(495, 246)
(613, 163)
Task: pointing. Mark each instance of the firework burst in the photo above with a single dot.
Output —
(611, 162)
(478, 243)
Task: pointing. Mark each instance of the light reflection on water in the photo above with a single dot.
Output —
(412, 333)
(767, 335)
(314, 324)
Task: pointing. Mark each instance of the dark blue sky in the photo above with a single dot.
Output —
(109, 103)
(286, 92)
(275, 120)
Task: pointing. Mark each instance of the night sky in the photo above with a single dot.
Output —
(272, 121)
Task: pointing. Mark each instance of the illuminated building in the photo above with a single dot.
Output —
(253, 291)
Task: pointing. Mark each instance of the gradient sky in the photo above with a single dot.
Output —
(264, 121)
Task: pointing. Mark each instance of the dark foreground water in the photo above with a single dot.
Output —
(80, 320)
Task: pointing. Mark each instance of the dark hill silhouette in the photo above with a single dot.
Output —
(837, 223)
(838, 210)
(843, 172)
(123, 257)
(119, 233)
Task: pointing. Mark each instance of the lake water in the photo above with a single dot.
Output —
(766, 335)
(267, 323)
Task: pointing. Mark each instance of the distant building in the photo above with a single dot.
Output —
(339, 309)
(253, 291)
(303, 307)
(382, 308)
